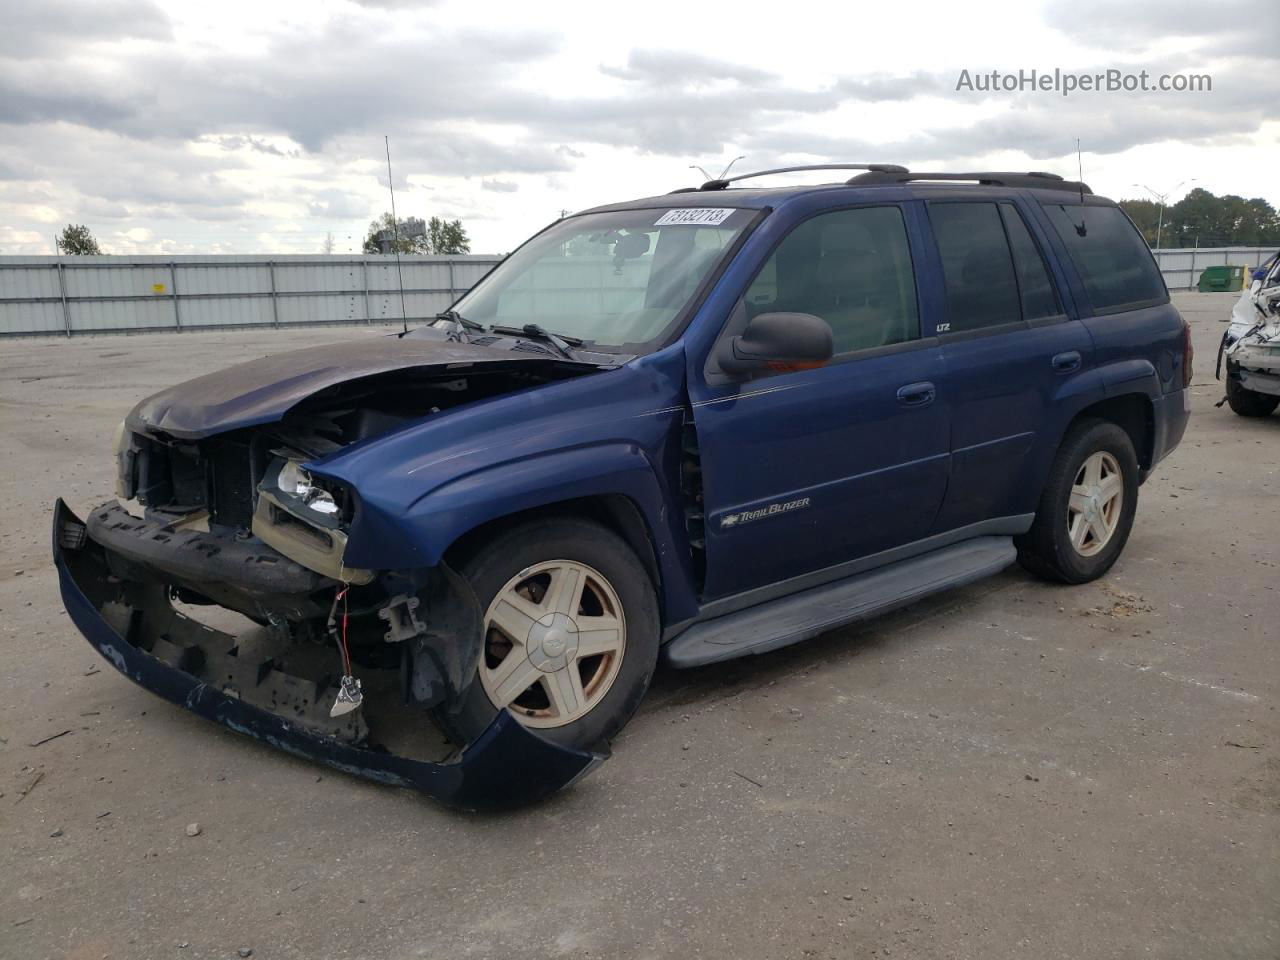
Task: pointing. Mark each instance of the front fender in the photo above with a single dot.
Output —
(437, 518)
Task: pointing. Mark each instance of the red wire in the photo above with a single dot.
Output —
(346, 652)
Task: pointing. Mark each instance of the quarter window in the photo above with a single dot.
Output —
(1039, 299)
(1113, 260)
(977, 267)
(853, 269)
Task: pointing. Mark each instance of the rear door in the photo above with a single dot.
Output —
(1009, 348)
(804, 470)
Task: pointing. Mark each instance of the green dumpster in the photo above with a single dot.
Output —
(1222, 280)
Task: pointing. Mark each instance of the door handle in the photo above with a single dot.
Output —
(917, 394)
(1066, 362)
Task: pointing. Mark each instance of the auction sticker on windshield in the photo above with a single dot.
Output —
(696, 216)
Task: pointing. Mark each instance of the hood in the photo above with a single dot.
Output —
(264, 390)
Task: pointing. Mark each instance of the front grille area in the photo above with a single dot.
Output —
(229, 473)
(170, 477)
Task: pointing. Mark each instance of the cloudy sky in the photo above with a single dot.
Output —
(239, 126)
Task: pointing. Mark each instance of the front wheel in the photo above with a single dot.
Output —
(1247, 403)
(1086, 510)
(570, 633)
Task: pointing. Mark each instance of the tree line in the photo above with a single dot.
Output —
(1201, 219)
(409, 235)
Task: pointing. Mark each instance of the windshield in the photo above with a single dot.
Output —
(612, 280)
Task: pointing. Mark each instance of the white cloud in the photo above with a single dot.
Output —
(259, 127)
(337, 205)
(50, 27)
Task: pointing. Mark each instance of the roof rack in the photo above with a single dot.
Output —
(1035, 179)
(878, 173)
(870, 167)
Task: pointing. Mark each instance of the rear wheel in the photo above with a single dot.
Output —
(1247, 403)
(1087, 508)
(570, 633)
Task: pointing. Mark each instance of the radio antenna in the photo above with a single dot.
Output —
(395, 234)
(1080, 169)
(1082, 229)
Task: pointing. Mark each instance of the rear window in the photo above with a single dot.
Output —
(1110, 255)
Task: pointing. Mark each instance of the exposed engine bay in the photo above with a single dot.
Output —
(247, 492)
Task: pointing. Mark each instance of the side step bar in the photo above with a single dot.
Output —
(819, 609)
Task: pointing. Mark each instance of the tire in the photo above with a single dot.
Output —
(539, 556)
(1247, 403)
(1051, 548)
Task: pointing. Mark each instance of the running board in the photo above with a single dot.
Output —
(819, 609)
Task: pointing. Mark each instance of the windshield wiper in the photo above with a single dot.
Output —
(456, 317)
(564, 345)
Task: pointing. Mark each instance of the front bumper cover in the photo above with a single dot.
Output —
(506, 766)
(248, 576)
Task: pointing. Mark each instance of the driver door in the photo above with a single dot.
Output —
(809, 471)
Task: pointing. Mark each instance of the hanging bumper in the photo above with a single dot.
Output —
(506, 766)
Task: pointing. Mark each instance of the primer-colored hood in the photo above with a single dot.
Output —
(264, 390)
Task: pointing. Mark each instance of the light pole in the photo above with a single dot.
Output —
(1162, 197)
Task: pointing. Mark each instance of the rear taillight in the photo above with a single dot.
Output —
(1188, 354)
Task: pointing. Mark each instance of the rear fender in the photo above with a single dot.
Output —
(1077, 394)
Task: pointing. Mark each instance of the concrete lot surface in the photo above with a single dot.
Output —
(1009, 770)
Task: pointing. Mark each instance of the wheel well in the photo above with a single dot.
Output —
(1133, 413)
(614, 511)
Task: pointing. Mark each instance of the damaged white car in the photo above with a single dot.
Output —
(1251, 346)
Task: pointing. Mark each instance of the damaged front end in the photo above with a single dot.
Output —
(254, 689)
(223, 516)
(1251, 344)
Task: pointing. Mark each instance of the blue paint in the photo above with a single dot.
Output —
(877, 474)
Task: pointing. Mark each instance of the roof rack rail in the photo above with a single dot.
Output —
(1034, 179)
(870, 167)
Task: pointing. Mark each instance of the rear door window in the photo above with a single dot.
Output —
(1113, 260)
(977, 266)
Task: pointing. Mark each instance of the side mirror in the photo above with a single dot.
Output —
(777, 341)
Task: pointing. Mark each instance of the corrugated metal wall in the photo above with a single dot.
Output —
(69, 295)
(1182, 266)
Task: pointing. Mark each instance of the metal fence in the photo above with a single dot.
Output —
(1182, 266)
(47, 296)
(72, 295)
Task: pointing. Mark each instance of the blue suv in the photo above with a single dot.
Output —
(689, 427)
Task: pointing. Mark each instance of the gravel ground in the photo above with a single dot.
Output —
(1008, 770)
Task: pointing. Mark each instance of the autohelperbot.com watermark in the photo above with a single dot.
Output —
(1065, 82)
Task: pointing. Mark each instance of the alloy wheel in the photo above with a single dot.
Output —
(555, 636)
(1096, 503)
